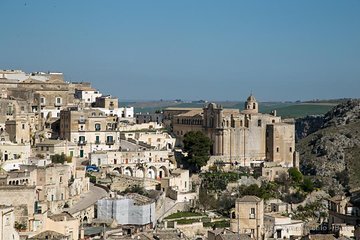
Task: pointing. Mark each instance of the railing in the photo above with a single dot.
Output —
(110, 142)
(81, 142)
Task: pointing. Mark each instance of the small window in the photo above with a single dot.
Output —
(252, 211)
(290, 149)
(23, 126)
(259, 123)
(97, 126)
(277, 149)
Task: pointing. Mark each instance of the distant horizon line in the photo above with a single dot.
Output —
(238, 101)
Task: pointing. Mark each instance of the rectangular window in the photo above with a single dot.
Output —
(252, 213)
(252, 210)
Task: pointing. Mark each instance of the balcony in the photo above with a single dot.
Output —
(58, 104)
(81, 142)
(97, 142)
(110, 142)
(82, 120)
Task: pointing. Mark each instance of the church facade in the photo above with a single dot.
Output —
(242, 137)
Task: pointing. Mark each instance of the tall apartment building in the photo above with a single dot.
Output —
(90, 129)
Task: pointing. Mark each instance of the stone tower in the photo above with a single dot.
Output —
(251, 105)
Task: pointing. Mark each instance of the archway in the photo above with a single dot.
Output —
(163, 172)
(151, 172)
(140, 172)
(118, 169)
(128, 171)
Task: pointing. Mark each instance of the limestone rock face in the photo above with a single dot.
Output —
(307, 125)
(327, 150)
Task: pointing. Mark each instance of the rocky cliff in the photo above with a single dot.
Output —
(329, 151)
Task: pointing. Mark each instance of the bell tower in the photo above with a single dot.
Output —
(251, 105)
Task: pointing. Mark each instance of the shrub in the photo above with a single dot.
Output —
(295, 175)
(307, 185)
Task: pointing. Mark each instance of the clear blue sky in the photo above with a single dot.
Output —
(190, 49)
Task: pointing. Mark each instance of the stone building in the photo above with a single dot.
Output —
(158, 140)
(149, 117)
(48, 93)
(241, 136)
(146, 163)
(23, 199)
(50, 147)
(7, 223)
(87, 94)
(178, 186)
(55, 184)
(12, 153)
(343, 210)
(248, 217)
(110, 106)
(281, 227)
(62, 223)
(90, 129)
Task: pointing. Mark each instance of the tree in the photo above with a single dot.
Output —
(295, 175)
(197, 146)
(207, 201)
(60, 158)
(307, 185)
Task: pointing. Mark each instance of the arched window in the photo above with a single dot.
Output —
(97, 126)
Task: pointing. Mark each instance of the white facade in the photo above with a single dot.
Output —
(87, 96)
(281, 227)
(122, 112)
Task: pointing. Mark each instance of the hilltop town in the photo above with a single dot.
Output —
(77, 165)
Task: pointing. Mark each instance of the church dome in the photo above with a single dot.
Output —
(251, 98)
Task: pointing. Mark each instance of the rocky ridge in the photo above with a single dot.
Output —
(325, 143)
